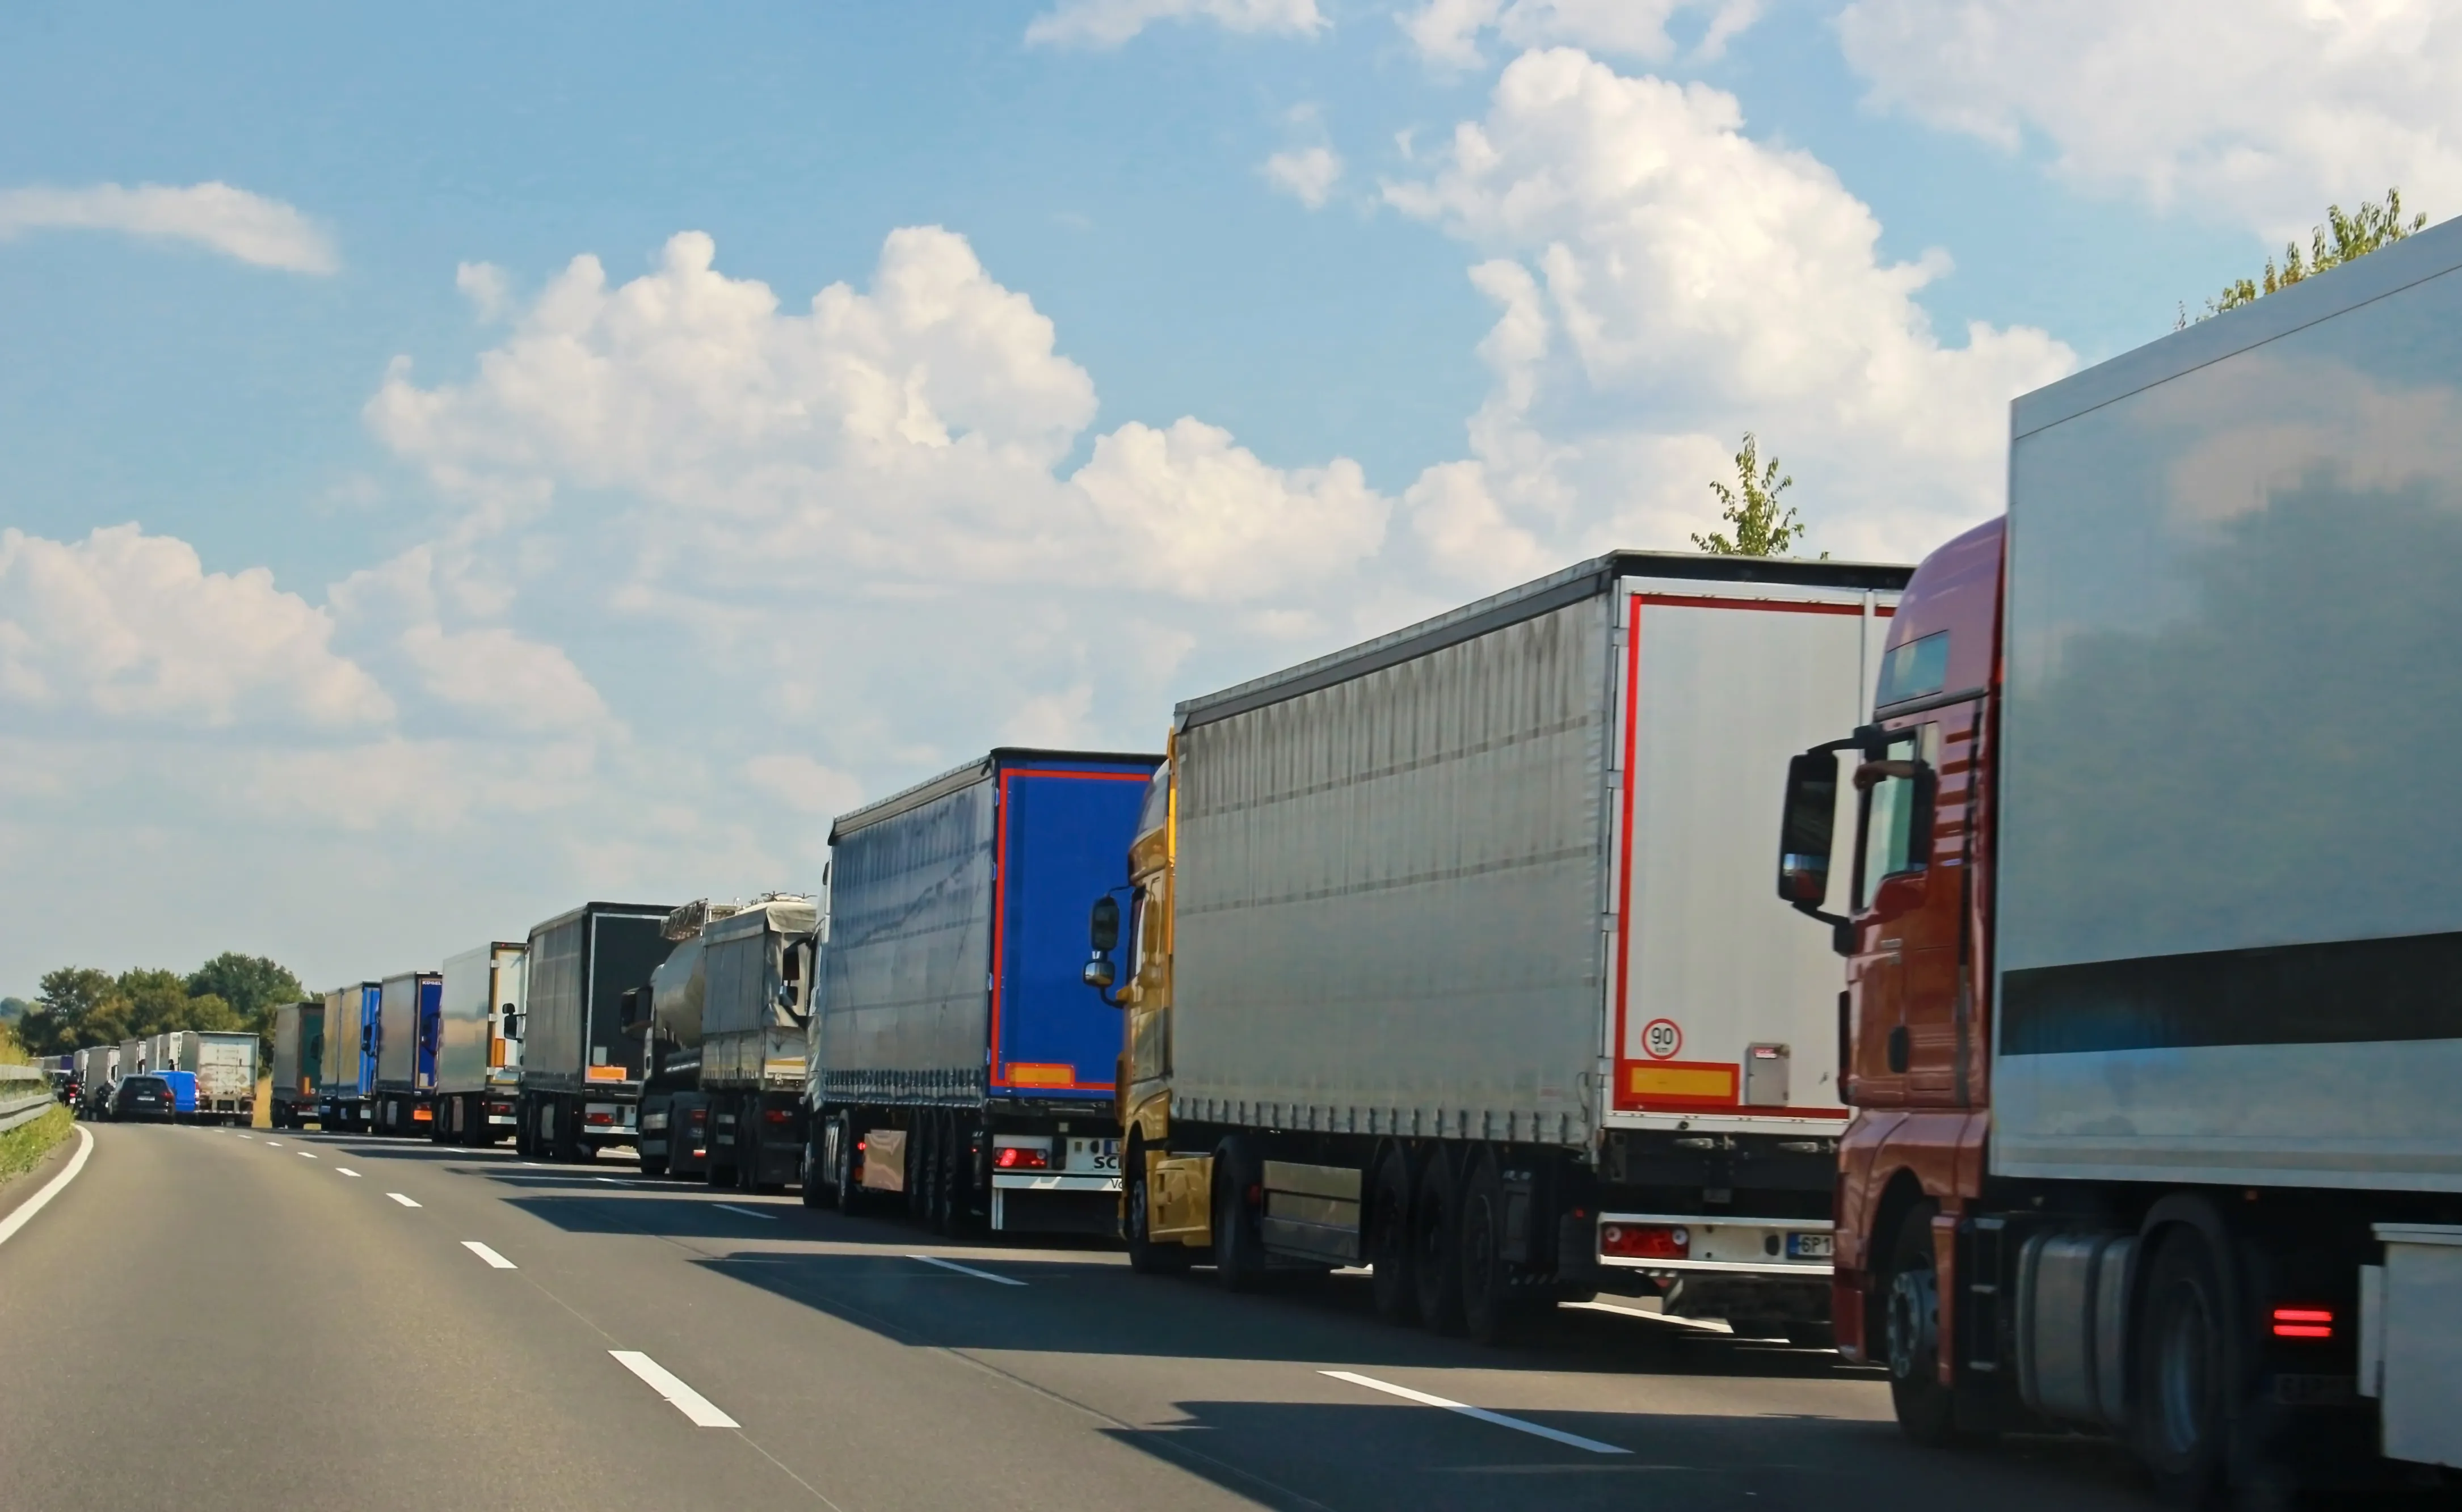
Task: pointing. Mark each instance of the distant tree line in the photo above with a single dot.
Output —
(81, 1005)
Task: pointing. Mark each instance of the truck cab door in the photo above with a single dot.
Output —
(1911, 966)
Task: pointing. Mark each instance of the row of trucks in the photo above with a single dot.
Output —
(2114, 1091)
(223, 1064)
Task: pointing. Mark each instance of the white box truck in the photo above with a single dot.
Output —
(478, 1062)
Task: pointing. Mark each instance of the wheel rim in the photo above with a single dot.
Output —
(1478, 1248)
(1914, 1311)
(2182, 1380)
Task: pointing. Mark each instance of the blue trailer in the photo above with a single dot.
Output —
(959, 1066)
(410, 1014)
(354, 1026)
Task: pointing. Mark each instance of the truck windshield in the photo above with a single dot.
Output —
(1157, 804)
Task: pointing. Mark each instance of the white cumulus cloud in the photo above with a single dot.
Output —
(2262, 111)
(233, 222)
(1109, 23)
(1664, 283)
(127, 625)
(1447, 32)
(1307, 174)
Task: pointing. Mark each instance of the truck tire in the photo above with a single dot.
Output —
(962, 1183)
(1911, 1333)
(941, 1200)
(1487, 1301)
(815, 1186)
(1238, 1247)
(843, 1182)
(2185, 1358)
(1435, 1269)
(751, 1156)
(1146, 1257)
(721, 1172)
(1388, 1240)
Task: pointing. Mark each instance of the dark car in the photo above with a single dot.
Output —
(144, 1097)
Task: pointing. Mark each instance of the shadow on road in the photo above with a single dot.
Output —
(1430, 1460)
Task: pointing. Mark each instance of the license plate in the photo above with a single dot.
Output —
(1809, 1246)
(1093, 1155)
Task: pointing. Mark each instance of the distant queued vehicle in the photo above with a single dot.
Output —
(183, 1092)
(146, 1098)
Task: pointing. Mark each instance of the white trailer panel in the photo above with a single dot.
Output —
(2228, 943)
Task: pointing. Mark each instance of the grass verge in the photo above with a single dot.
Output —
(23, 1147)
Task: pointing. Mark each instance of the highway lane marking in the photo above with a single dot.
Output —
(1701, 1325)
(1424, 1399)
(684, 1399)
(965, 1270)
(34, 1204)
(493, 1258)
(346, 1169)
(307, 1155)
(403, 1200)
(273, 1144)
(766, 1218)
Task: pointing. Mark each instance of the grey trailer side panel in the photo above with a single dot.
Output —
(904, 981)
(559, 972)
(479, 985)
(1345, 963)
(2228, 942)
(744, 1027)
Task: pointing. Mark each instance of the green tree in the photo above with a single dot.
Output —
(74, 1007)
(1763, 526)
(2342, 239)
(12, 1009)
(252, 987)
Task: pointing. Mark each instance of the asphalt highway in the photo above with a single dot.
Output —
(218, 1319)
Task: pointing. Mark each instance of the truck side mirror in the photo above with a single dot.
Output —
(512, 1023)
(1103, 929)
(1099, 972)
(1807, 829)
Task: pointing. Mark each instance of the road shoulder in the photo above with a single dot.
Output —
(17, 1190)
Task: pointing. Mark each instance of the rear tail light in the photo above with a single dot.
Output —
(2304, 1323)
(777, 1115)
(1645, 1241)
(1011, 1157)
(601, 1118)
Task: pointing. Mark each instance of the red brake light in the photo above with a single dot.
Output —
(2304, 1323)
(777, 1115)
(1015, 1157)
(602, 1119)
(1645, 1242)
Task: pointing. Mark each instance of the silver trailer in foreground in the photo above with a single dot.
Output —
(1459, 941)
(478, 1063)
(407, 1010)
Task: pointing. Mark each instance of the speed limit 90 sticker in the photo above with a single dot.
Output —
(1661, 1040)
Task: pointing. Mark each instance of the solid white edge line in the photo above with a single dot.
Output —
(684, 1398)
(967, 1270)
(1700, 1324)
(34, 1204)
(729, 1208)
(403, 1200)
(1424, 1399)
(345, 1170)
(493, 1258)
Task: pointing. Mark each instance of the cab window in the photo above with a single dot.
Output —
(1157, 805)
(1893, 843)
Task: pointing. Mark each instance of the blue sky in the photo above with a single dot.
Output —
(593, 654)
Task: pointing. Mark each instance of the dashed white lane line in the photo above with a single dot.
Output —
(34, 1204)
(965, 1270)
(1698, 1325)
(493, 1258)
(1558, 1435)
(273, 1144)
(661, 1380)
(403, 1200)
(307, 1155)
(346, 1169)
(729, 1208)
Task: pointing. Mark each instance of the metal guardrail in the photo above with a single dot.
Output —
(25, 1095)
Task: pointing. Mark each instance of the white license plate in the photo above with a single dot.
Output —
(1809, 1246)
(1093, 1155)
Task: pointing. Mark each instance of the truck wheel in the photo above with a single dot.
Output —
(1388, 1240)
(751, 1157)
(843, 1182)
(1911, 1333)
(1146, 1257)
(923, 1166)
(944, 1173)
(1239, 1248)
(962, 1176)
(1486, 1279)
(815, 1187)
(1435, 1271)
(2183, 1358)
